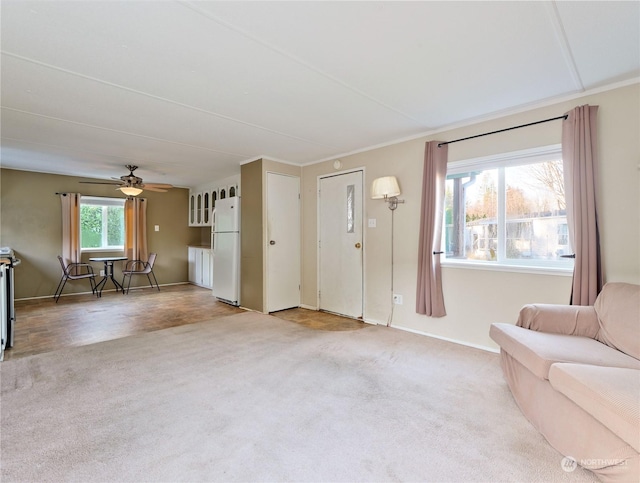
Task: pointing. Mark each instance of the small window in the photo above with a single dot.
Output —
(507, 210)
(101, 223)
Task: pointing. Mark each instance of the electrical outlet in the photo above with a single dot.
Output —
(102, 273)
(397, 299)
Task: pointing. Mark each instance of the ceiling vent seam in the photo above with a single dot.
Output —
(561, 37)
(163, 99)
(93, 126)
(299, 61)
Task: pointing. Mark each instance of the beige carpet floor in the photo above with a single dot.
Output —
(250, 397)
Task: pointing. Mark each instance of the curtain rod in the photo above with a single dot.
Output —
(503, 130)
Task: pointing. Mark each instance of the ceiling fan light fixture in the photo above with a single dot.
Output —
(130, 190)
(131, 185)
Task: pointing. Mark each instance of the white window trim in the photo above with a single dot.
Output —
(507, 267)
(117, 248)
(510, 159)
(102, 201)
(514, 158)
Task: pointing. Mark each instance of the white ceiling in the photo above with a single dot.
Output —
(189, 90)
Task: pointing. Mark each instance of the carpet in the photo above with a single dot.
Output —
(250, 397)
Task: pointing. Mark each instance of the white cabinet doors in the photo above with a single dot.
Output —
(202, 203)
(206, 268)
(200, 266)
(192, 264)
(199, 209)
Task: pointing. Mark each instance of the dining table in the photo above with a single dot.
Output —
(108, 272)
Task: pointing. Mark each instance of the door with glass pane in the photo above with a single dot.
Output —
(340, 249)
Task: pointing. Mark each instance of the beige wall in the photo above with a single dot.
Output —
(251, 286)
(30, 222)
(476, 298)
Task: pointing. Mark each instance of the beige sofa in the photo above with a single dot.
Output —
(575, 373)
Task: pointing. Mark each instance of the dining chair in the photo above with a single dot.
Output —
(74, 271)
(139, 267)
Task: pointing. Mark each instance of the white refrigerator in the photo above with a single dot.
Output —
(225, 245)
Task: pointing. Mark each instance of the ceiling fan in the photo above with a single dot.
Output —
(131, 185)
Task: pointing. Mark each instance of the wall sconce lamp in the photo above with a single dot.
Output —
(386, 188)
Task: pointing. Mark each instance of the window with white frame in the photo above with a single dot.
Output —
(507, 210)
(101, 223)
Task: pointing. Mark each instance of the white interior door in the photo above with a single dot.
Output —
(283, 242)
(340, 245)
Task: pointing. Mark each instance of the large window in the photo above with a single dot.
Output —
(507, 210)
(101, 223)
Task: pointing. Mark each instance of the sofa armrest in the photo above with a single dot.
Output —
(560, 319)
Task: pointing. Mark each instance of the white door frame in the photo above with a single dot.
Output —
(364, 240)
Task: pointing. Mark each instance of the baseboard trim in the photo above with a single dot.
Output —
(85, 293)
(198, 285)
(374, 322)
(447, 339)
(308, 307)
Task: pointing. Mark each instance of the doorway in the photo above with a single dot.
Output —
(340, 251)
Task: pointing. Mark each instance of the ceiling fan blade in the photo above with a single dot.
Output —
(132, 181)
(154, 188)
(157, 185)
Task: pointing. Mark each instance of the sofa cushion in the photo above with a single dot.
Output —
(618, 308)
(560, 319)
(609, 394)
(538, 350)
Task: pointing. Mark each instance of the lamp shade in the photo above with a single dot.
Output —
(130, 190)
(384, 187)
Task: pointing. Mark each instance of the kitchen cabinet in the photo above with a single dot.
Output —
(192, 209)
(200, 266)
(203, 202)
(199, 208)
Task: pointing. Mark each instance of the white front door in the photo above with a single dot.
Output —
(340, 252)
(283, 242)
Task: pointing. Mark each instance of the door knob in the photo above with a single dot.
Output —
(358, 245)
(272, 242)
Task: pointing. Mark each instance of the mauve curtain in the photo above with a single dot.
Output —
(135, 229)
(71, 250)
(579, 155)
(429, 297)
